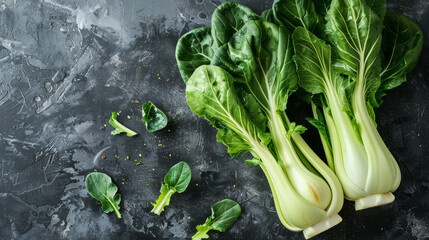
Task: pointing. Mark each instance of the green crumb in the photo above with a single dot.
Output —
(138, 163)
(140, 155)
(147, 184)
(128, 157)
(211, 161)
(187, 149)
(123, 183)
(128, 117)
(160, 145)
(105, 125)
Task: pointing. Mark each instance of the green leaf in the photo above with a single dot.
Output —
(313, 61)
(378, 6)
(194, 49)
(322, 7)
(262, 53)
(295, 128)
(401, 47)
(119, 128)
(298, 13)
(179, 177)
(253, 161)
(356, 33)
(176, 180)
(224, 214)
(153, 117)
(211, 94)
(227, 19)
(101, 187)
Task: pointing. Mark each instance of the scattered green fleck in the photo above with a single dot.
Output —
(128, 157)
(105, 125)
(138, 163)
(147, 184)
(187, 149)
(140, 155)
(128, 117)
(160, 145)
(123, 183)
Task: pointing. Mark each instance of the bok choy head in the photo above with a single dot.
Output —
(242, 90)
(348, 65)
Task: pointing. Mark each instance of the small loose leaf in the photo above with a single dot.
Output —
(295, 128)
(176, 180)
(153, 117)
(224, 214)
(119, 128)
(101, 187)
(253, 161)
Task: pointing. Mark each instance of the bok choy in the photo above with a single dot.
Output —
(239, 75)
(348, 63)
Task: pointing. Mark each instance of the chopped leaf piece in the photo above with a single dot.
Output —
(224, 214)
(101, 187)
(119, 128)
(153, 117)
(176, 180)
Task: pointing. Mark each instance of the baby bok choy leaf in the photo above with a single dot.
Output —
(224, 214)
(101, 187)
(153, 117)
(119, 128)
(176, 180)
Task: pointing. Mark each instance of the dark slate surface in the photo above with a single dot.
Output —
(65, 65)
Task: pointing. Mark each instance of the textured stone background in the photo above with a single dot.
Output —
(66, 64)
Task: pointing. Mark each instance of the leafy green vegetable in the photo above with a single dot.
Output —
(351, 72)
(401, 46)
(243, 93)
(119, 128)
(296, 13)
(224, 214)
(101, 187)
(197, 47)
(227, 19)
(153, 117)
(193, 50)
(176, 180)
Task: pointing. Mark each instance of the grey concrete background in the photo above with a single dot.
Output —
(66, 64)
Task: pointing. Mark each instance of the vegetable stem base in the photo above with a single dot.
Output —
(322, 226)
(374, 200)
